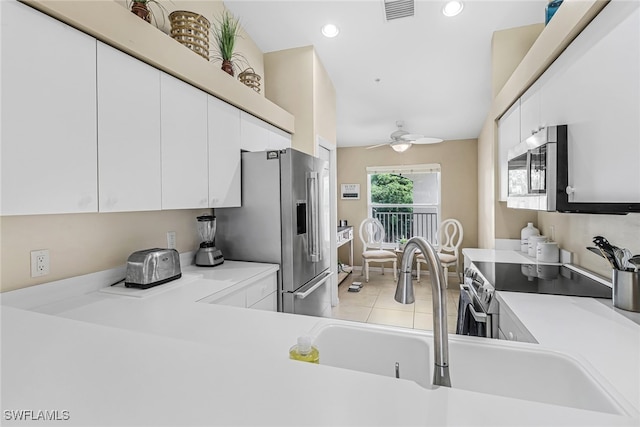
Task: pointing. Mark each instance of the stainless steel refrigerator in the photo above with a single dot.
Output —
(284, 219)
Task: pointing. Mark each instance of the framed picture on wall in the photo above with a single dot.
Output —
(350, 191)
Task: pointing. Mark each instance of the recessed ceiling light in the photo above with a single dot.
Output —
(452, 8)
(330, 30)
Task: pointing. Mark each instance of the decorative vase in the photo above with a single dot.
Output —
(551, 9)
(141, 10)
(227, 67)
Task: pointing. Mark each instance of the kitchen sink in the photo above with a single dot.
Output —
(516, 370)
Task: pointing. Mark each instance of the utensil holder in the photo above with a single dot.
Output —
(626, 290)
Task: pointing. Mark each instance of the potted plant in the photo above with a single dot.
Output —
(142, 8)
(225, 31)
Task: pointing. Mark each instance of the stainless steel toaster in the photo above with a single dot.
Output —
(152, 267)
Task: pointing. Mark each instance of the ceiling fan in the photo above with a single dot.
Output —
(401, 140)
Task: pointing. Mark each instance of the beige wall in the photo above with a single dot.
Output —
(508, 47)
(575, 232)
(85, 243)
(458, 160)
(299, 83)
(324, 102)
(291, 85)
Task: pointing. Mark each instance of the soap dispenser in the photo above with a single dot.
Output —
(304, 351)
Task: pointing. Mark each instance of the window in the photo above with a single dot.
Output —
(406, 200)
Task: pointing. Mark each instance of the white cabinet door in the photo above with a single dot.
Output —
(508, 137)
(185, 174)
(128, 133)
(594, 88)
(530, 118)
(268, 303)
(48, 119)
(278, 139)
(224, 154)
(254, 134)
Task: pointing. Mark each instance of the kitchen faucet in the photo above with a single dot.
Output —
(404, 295)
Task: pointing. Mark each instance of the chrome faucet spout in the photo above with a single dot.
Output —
(404, 295)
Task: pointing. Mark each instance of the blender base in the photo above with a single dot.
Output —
(209, 257)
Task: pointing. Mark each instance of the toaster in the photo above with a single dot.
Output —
(152, 267)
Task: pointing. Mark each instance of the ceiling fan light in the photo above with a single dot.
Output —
(452, 8)
(400, 146)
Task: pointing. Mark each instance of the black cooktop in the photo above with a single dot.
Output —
(541, 279)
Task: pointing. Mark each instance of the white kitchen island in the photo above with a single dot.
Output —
(168, 359)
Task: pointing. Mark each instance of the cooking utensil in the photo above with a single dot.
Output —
(608, 251)
(595, 251)
(610, 258)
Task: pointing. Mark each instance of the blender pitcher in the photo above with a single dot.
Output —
(208, 255)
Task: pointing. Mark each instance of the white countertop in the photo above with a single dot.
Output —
(169, 360)
(592, 329)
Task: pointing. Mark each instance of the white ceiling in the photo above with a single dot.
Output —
(434, 71)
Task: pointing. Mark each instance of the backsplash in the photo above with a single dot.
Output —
(85, 243)
(574, 232)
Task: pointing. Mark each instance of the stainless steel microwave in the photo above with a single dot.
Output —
(538, 172)
(532, 170)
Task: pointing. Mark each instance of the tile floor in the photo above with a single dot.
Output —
(375, 303)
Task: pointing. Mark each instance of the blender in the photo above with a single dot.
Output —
(208, 255)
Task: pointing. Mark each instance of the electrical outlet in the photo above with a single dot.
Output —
(39, 263)
(171, 239)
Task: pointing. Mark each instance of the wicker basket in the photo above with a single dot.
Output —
(192, 30)
(250, 78)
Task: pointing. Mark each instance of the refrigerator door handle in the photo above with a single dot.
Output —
(313, 286)
(314, 206)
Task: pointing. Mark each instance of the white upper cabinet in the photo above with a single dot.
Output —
(508, 137)
(278, 139)
(258, 135)
(254, 134)
(184, 145)
(128, 133)
(48, 163)
(594, 88)
(530, 117)
(224, 154)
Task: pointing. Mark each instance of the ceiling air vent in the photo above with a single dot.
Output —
(394, 9)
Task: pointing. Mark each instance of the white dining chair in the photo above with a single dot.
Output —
(372, 236)
(450, 235)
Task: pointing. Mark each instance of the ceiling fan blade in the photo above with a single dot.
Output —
(411, 137)
(427, 140)
(376, 146)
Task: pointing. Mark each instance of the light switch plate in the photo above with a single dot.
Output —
(171, 239)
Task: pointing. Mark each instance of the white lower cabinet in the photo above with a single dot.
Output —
(268, 303)
(129, 160)
(185, 171)
(260, 294)
(48, 163)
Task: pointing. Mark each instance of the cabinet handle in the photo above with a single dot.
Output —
(570, 190)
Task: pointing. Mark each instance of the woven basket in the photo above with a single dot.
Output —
(250, 78)
(192, 30)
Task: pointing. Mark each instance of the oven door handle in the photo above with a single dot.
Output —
(479, 317)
